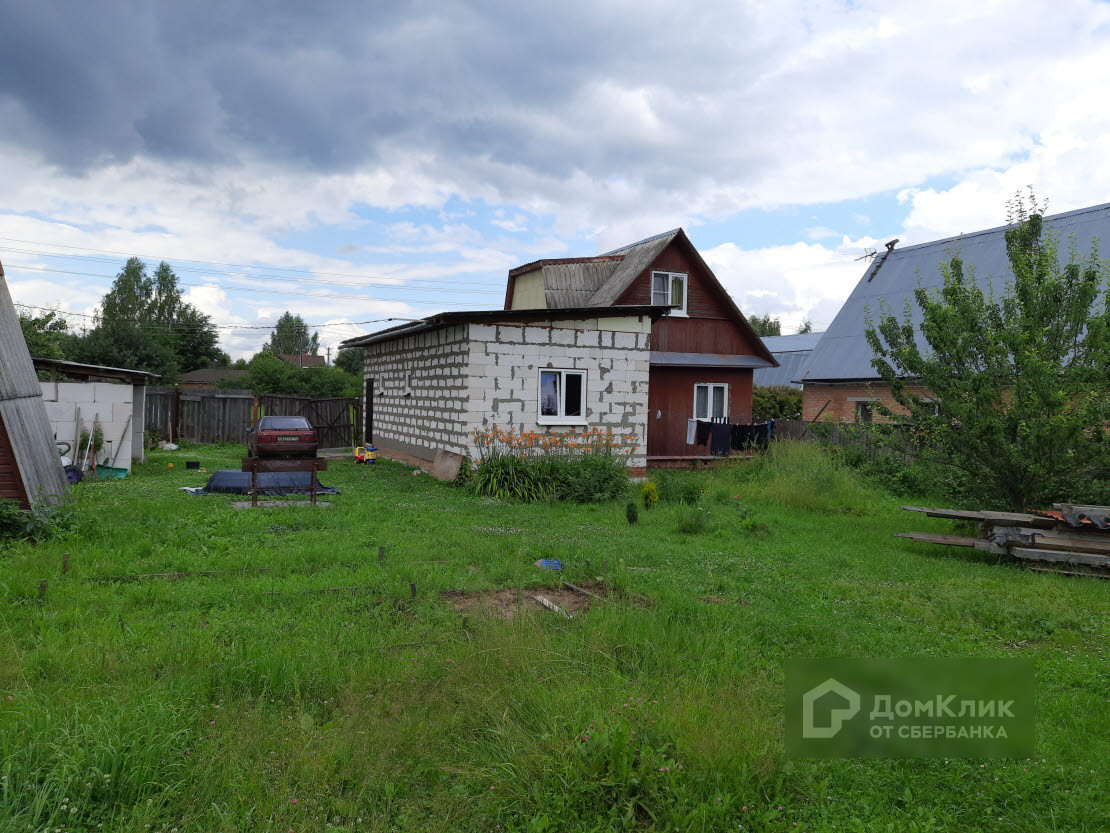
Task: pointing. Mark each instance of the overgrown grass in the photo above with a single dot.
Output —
(262, 701)
(807, 476)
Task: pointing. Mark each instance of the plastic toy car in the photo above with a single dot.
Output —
(282, 436)
(366, 454)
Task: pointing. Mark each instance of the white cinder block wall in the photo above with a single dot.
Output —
(431, 389)
(109, 403)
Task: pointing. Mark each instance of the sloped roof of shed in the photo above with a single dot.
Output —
(843, 353)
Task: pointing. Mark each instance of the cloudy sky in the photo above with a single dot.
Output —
(354, 162)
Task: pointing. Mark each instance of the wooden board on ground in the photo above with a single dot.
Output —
(997, 518)
(280, 504)
(1032, 554)
(947, 540)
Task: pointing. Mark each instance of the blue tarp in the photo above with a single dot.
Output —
(273, 484)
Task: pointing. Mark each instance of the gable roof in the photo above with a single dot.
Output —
(792, 353)
(601, 280)
(843, 353)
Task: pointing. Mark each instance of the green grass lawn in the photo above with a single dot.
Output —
(243, 702)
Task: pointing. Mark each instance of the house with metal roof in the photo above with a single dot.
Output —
(792, 354)
(838, 380)
(642, 340)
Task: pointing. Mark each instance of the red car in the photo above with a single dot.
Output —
(282, 436)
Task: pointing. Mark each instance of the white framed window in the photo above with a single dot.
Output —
(669, 289)
(561, 397)
(710, 401)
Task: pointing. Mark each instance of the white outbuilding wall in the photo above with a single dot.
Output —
(118, 407)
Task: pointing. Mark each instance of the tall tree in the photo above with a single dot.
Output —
(765, 325)
(290, 335)
(806, 327)
(351, 361)
(144, 324)
(1017, 387)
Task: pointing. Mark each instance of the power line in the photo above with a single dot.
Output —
(395, 283)
(201, 262)
(249, 289)
(177, 326)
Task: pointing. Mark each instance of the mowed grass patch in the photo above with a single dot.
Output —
(322, 694)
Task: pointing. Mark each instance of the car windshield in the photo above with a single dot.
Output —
(284, 424)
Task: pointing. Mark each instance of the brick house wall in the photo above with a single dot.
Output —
(843, 399)
(432, 388)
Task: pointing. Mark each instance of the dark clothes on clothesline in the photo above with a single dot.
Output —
(720, 435)
(701, 436)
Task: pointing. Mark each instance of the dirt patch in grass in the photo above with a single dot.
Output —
(505, 604)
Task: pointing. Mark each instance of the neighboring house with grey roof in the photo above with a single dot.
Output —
(641, 340)
(792, 353)
(839, 382)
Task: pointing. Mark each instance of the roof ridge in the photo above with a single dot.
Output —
(995, 229)
(651, 239)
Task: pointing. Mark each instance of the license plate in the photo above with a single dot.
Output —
(288, 439)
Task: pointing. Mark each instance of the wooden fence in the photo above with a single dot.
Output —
(205, 415)
(851, 436)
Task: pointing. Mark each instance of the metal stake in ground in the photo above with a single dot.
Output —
(381, 555)
(412, 588)
(65, 563)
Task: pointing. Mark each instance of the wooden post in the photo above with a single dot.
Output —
(42, 590)
(313, 475)
(254, 487)
(381, 555)
(65, 563)
(412, 588)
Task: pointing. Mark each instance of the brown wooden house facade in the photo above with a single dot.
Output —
(702, 354)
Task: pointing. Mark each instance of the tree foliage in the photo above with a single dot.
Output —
(351, 360)
(46, 335)
(765, 325)
(776, 402)
(1018, 386)
(267, 374)
(805, 327)
(291, 336)
(144, 324)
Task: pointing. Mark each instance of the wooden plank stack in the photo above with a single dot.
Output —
(1069, 538)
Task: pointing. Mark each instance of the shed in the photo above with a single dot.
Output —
(77, 394)
(29, 461)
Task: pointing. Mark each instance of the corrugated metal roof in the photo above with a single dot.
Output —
(843, 352)
(792, 343)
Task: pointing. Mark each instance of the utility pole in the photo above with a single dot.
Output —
(329, 357)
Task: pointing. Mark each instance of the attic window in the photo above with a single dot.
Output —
(669, 289)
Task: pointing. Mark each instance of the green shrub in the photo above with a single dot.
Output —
(577, 468)
(695, 520)
(677, 487)
(649, 495)
(466, 467)
(44, 520)
(631, 513)
(11, 519)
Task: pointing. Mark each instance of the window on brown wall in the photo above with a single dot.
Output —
(864, 412)
(710, 400)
